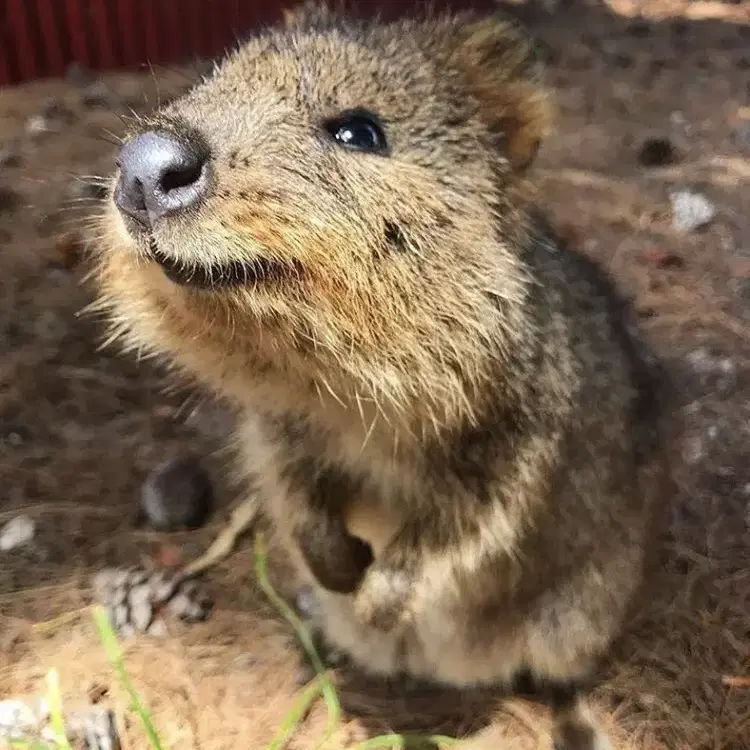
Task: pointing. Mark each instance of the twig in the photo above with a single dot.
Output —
(740, 682)
(48, 626)
(241, 519)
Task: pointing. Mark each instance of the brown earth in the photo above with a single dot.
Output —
(81, 427)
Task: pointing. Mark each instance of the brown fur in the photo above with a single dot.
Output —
(430, 370)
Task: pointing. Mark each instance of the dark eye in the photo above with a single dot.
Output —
(358, 131)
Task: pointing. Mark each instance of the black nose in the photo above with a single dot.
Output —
(160, 175)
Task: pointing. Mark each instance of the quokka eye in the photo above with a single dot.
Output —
(359, 131)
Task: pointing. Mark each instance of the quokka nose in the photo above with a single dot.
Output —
(161, 175)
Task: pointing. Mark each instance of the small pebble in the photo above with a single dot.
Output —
(37, 125)
(15, 434)
(177, 495)
(17, 720)
(96, 692)
(17, 533)
(691, 211)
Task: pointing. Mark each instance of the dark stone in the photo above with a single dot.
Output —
(176, 495)
(657, 152)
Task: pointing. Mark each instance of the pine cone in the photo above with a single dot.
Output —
(136, 599)
(28, 723)
(95, 727)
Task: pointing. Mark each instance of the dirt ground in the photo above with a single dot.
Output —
(81, 427)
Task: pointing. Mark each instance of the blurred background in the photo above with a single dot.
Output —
(40, 38)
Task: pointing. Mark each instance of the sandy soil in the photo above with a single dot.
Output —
(80, 427)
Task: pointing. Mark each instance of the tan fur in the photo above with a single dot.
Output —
(463, 395)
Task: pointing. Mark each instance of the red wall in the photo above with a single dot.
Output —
(39, 38)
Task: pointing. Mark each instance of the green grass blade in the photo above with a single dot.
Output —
(114, 652)
(296, 714)
(56, 711)
(303, 634)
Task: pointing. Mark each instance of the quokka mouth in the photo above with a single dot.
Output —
(221, 275)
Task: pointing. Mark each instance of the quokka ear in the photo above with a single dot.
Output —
(505, 74)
